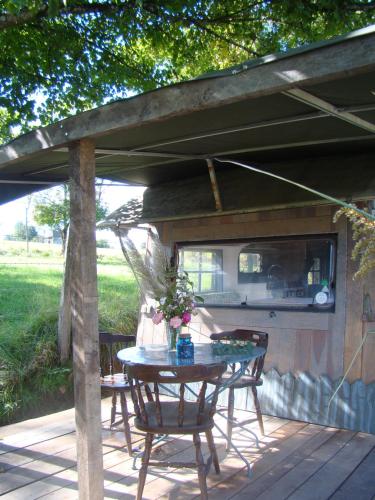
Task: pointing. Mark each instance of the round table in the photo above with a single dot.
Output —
(159, 355)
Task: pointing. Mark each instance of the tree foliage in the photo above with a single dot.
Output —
(364, 237)
(52, 209)
(59, 57)
(21, 233)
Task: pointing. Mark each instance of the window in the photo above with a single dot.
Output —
(264, 272)
(314, 275)
(249, 262)
(204, 267)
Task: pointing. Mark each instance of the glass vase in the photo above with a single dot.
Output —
(172, 335)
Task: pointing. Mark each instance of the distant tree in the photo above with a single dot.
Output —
(20, 231)
(102, 244)
(52, 209)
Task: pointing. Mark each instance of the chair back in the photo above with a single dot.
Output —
(259, 339)
(110, 343)
(142, 375)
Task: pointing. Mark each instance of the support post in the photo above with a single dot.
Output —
(84, 300)
(214, 185)
(64, 329)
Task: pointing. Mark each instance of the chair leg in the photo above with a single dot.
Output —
(201, 467)
(230, 417)
(113, 409)
(257, 409)
(145, 460)
(125, 418)
(212, 448)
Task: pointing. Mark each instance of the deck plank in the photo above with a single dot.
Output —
(30, 478)
(361, 483)
(336, 470)
(295, 460)
(21, 456)
(233, 473)
(284, 443)
(266, 486)
(38, 430)
(125, 483)
(304, 464)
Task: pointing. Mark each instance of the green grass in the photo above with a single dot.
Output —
(30, 285)
(32, 381)
(27, 291)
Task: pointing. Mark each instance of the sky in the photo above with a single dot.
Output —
(112, 196)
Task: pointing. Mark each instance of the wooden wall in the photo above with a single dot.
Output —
(320, 343)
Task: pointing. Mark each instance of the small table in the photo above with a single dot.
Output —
(159, 355)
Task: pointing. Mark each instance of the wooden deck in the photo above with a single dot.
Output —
(295, 461)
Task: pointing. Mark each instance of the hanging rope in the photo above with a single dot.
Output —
(331, 199)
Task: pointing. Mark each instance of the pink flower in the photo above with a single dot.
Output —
(175, 322)
(157, 318)
(186, 317)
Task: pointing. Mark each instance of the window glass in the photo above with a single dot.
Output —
(204, 267)
(281, 272)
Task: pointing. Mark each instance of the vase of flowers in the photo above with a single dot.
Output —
(172, 336)
(176, 306)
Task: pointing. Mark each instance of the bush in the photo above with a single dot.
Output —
(102, 244)
(124, 322)
(33, 381)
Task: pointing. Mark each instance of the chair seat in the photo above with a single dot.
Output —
(244, 381)
(169, 412)
(116, 382)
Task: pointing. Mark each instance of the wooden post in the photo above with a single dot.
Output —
(64, 329)
(84, 298)
(214, 185)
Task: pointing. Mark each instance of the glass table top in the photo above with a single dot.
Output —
(159, 355)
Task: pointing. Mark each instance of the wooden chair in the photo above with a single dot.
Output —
(175, 417)
(251, 379)
(117, 383)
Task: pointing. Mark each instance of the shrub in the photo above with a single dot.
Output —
(102, 244)
(124, 322)
(32, 378)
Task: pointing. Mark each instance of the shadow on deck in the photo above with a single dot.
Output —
(295, 460)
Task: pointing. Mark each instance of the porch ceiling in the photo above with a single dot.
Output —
(316, 101)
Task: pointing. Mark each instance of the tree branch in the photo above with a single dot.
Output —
(25, 16)
(8, 20)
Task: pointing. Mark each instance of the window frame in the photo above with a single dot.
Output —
(199, 272)
(333, 237)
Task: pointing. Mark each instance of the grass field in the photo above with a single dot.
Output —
(30, 284)
(30, 287)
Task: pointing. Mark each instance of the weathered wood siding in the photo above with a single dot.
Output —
(316, 343)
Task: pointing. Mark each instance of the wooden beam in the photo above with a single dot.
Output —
(131, 152)
(9, 181)
(85, 321)
(290, 145)
(214, 185)
(317, 103)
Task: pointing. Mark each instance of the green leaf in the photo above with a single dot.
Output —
(72, 56)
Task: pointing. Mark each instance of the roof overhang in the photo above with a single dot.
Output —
(312, 102)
